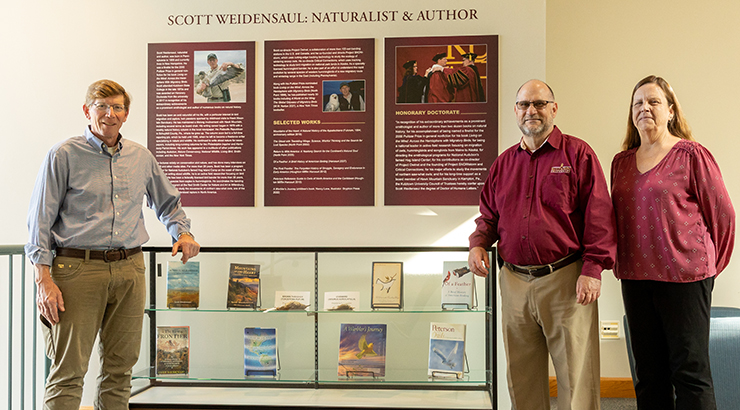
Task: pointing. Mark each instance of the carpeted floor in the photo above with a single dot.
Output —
(606, 404)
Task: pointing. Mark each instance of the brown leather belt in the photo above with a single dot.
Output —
(111, 255)
(540, 271)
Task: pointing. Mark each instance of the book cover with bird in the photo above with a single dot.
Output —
(260, 351)
(387, 290)
(173, 350)
(362, 350)
(244, 286)
(446, 350)
(183, 284)
(457, 286)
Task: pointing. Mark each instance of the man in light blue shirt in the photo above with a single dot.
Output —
(86, 228)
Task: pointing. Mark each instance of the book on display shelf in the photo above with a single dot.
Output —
(458, 286)
(244, 286)
(446, 350)
(260, 351)
(362, 350)
(183, 284)
(387, 285)
(173, 350)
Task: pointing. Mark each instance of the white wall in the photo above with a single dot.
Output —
(597, 51)
(52, 50)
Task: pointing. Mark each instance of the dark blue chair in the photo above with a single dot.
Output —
(724, 355)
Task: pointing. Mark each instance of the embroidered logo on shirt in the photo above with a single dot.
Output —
(562, 169)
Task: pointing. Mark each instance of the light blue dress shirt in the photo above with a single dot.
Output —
(86, 198)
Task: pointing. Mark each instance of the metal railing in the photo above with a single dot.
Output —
(22, 357)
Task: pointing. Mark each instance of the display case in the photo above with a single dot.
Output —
(308, 341)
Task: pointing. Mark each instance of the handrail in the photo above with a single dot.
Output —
(17, 281)
(11, 250)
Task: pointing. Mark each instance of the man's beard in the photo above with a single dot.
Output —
(534, 131)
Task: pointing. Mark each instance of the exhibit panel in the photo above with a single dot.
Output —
(312, 324)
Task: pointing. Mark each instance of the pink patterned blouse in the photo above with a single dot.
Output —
(675, 222)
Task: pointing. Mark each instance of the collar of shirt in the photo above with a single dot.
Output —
(555, 139)
(98, 144)
(524, 147)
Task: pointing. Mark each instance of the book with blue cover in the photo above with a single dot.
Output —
(183, 284)
(446, 350)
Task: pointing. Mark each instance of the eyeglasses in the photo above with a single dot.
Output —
(538, 105)
(116, 108)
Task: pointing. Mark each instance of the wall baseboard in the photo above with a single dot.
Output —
(620, 387)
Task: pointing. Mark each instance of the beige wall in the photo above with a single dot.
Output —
(591, 52)
(596, 53)
(53, 50)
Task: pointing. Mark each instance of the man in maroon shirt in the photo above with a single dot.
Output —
(547, 205)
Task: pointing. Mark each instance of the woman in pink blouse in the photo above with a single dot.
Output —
(675, 234)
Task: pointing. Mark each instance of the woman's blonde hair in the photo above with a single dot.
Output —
(678, 126)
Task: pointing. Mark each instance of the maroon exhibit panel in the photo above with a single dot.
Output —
(438, 149)
(204, 144)
(319, 122)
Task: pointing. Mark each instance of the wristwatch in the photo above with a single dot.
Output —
(185, 233)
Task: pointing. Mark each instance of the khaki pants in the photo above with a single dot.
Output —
(541, 315)
(99, 297)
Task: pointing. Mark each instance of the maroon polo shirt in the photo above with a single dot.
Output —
(544, 205)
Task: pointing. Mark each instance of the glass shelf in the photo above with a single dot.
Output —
(310, 312)
(233, 374)
(404, 311)
(199, 310)
(327, 376)
(405, 377)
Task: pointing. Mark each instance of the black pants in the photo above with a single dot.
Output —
(669, 332)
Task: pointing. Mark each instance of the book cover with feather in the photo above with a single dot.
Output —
(446, 350)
